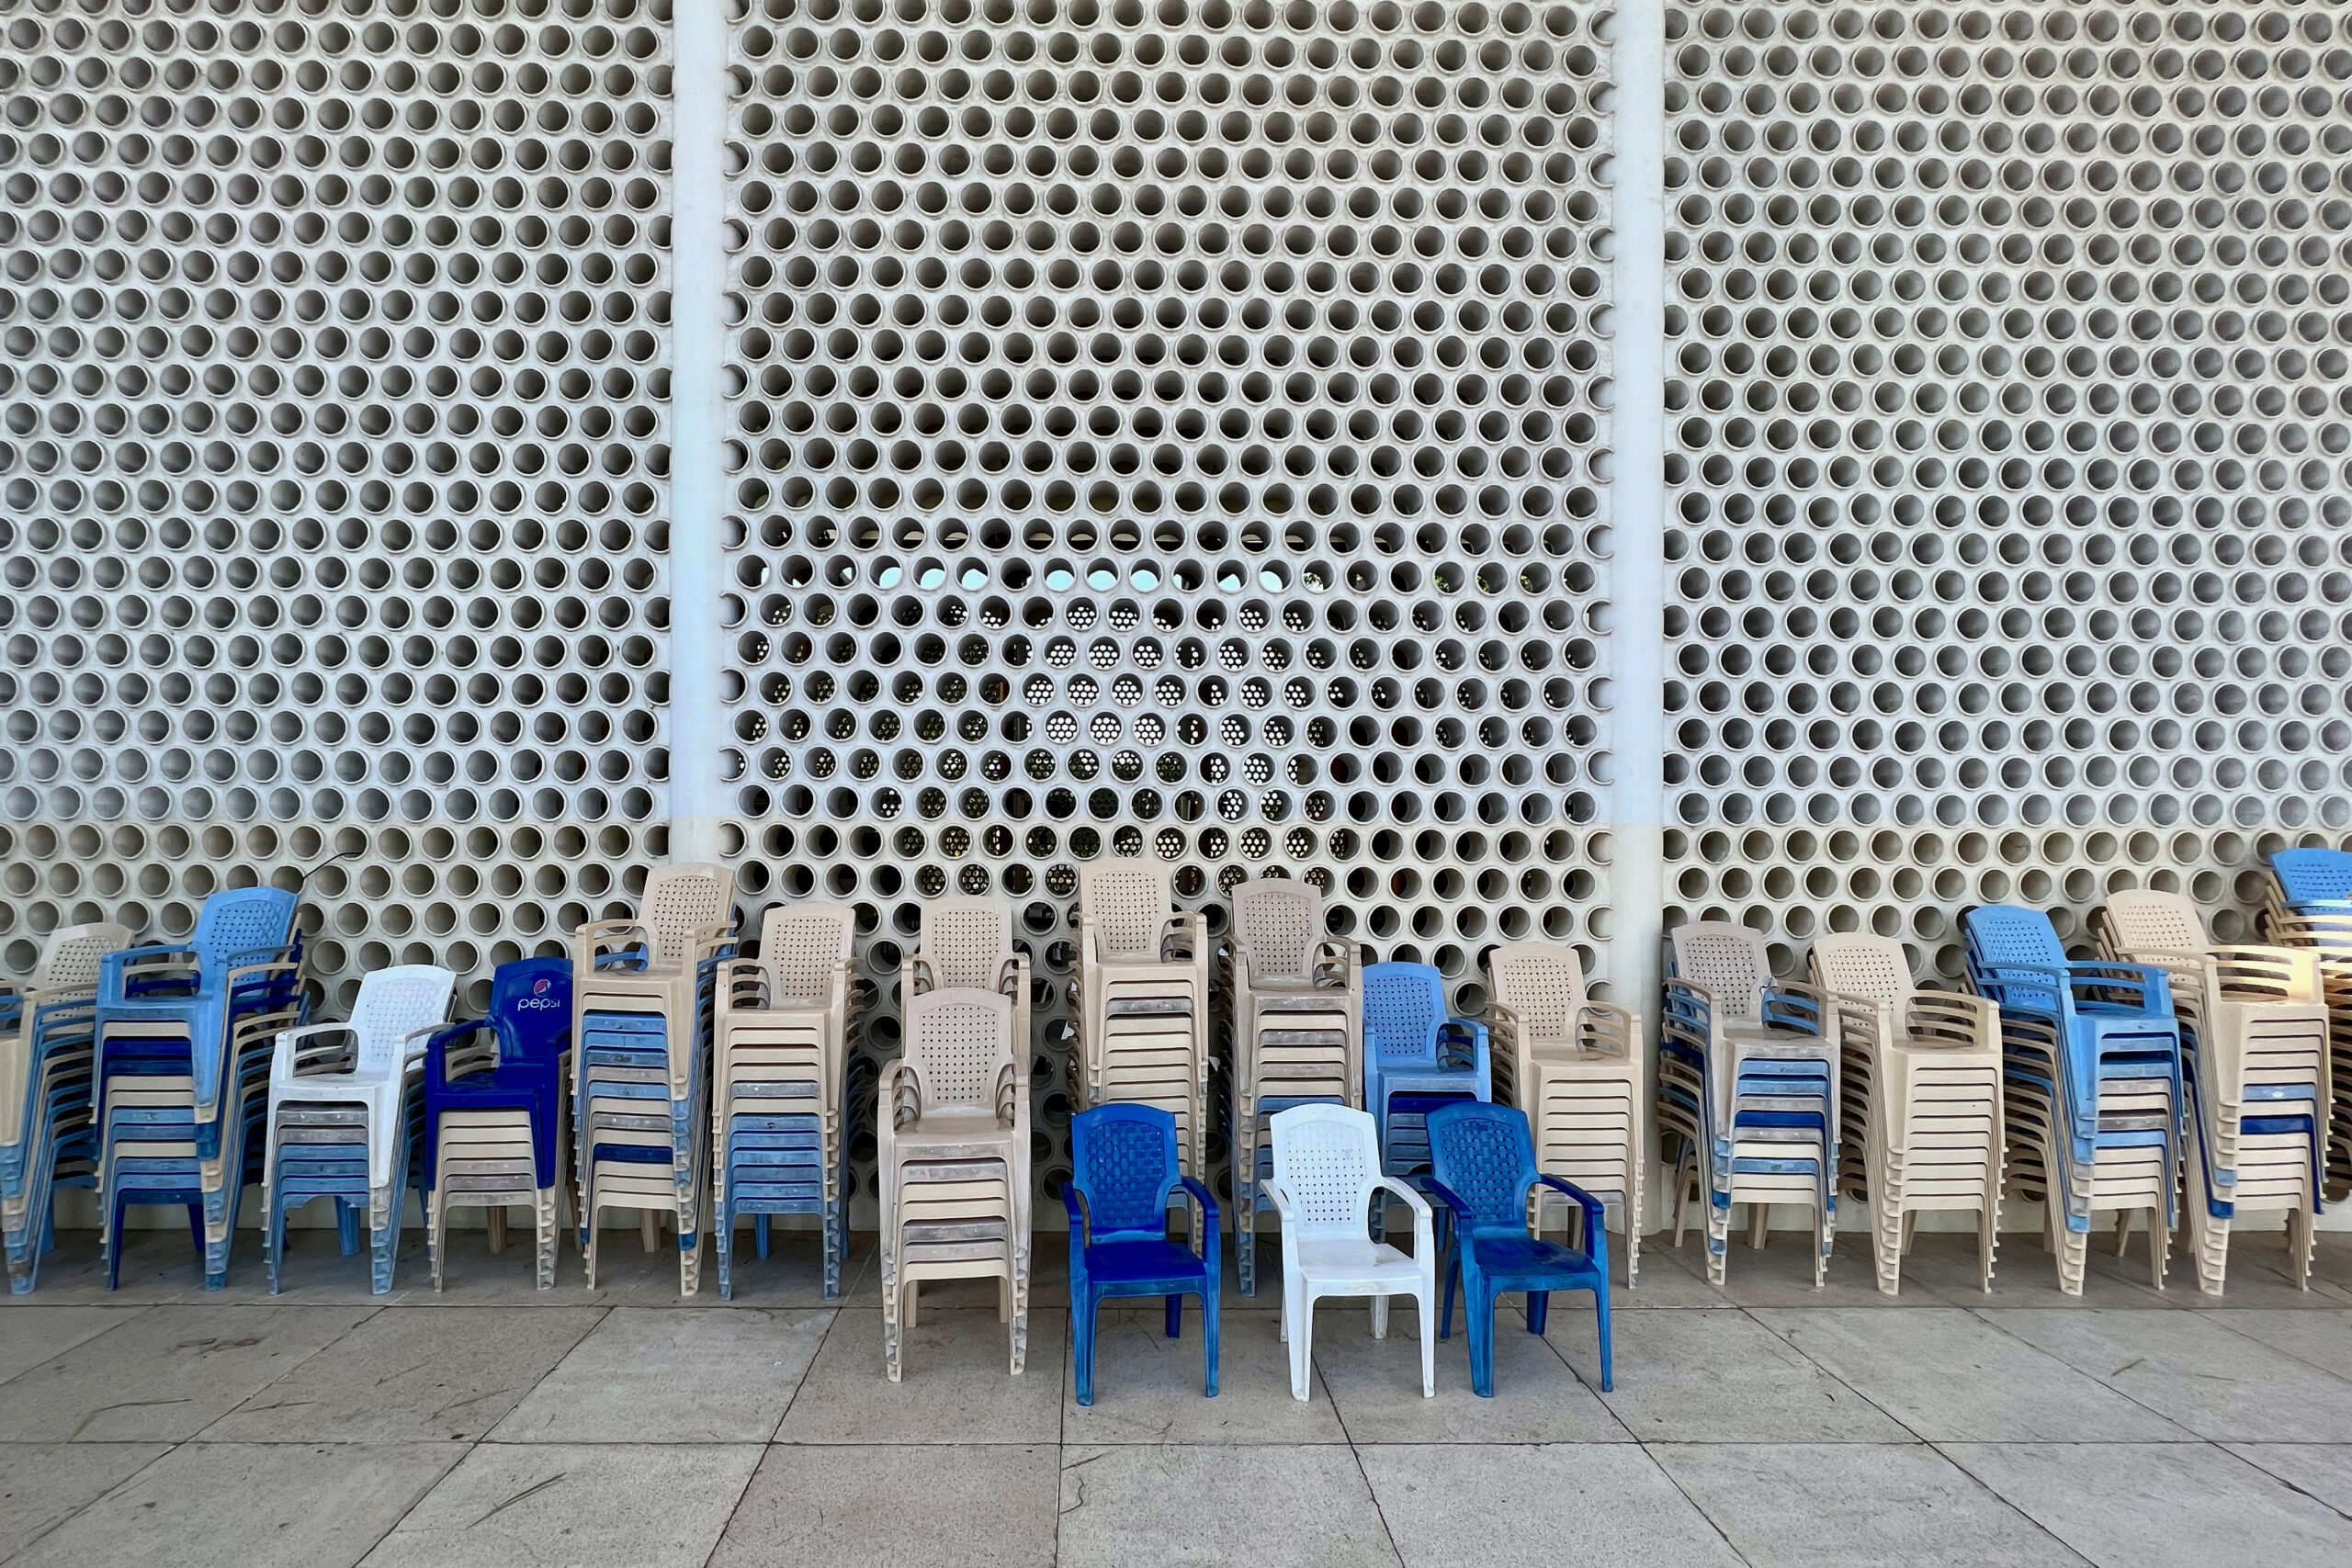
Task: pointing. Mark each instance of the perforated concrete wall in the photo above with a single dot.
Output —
(2010, 403)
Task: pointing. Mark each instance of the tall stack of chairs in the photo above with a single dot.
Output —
(782, 1037)
(1921, 1074)
(1295, 1032)
(346, 1114)
(1143, 1002)
(495, 1091)
(952, 1136)
(2092, 1076)
(643, 994)
(1415, 1058)
(2309, 905)
(1576, 1067)
(48, 1136)
(1747, 1089)
(181, 1072)
(2253, 1059)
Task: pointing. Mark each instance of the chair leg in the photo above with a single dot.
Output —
(1426, 1297)
(761, 1235)
(1175, 1317)
(1539, 1308)
(1208, 1341)
(346, 1228)
(1600, 1322)
(1445, 1311)
(1301, 1315)
(1479, 1307)
(1380, 1318)
(1086, 1305)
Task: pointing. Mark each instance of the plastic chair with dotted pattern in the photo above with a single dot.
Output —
(1294, 1000)
(1143, 1001)
(1415, 1058)
(1325, 1173)
(966, 943)
(1577, 1068)
(48, 1136)
(1920, 1113)
(2254, 1073)
(779, 1072)
(347, 1112)
(952, 1135)
(1748, 1072)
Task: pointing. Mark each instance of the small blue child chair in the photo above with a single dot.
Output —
(1483, 1165)
(1124, 1172)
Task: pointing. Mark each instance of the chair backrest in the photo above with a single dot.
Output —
(1860, 964)
(680, 901)
(2312, 877)
(241, 920)
(1123, 1160)
(395, 1003)
(804, 947)
(1541, 982)
(1486, 1156)
(530, 1007)
(1278, 923)
(1404, 1007)
(2002, 934)
(1730, 960)
(1126, 905)
(960, 1041)
(2144, 920)
(1328, 1159)
(967, 942)
(70, 958)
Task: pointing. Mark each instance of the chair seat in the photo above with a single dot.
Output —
(1505, 1258)
(1142, 1262)
(1337, 1262)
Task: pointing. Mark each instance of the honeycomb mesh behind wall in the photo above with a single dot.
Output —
(1171, 430)
(2008, 346)
(333, 464)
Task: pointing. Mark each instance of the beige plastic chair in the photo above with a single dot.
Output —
(952, 1126)
(2254, 1040)
(685, 918)
(966, 944)
(2328, 938)
(1724, 1009)
(1295, 999)
(1921, 1102)
(46, 1043)
(1143, 1002)
(1577, 1067)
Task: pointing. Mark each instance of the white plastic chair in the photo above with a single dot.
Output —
(1143, 995)
(1327, 1167)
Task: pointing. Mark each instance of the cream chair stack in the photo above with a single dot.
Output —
(642, 998)
(1921, 1103)
(2255, 1056)
(48, 1130)
(1294, 996)
(1143, 1002)
(952, 1130)
(1576, 1067)
(966, 944)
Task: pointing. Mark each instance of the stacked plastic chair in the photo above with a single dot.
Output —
(2253, 1061)
(642, 1000)
(1747, 1090)
(1576, 1067)
(2310, 906)
(952, 1146)
(495, 1091)
(1415, 1058)
(1123, 1174)
(1326, 1175)
(181, 1072)
(346, 1106)
(2091, 1068)
(780, 1058)
(1295, 1032)
(1921, 1112)
(48, 1136)
(966, 944)
(1143, 1002)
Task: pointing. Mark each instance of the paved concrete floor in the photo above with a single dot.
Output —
(1770, 1424)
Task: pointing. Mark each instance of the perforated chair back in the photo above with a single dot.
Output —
(394, 1004)
(679, 903)
(2144, 920)
(1543, 984)
(1328, 1159)
(1484, 1155)
(1730, 960)
(958, 1042)
(530, 1007)
(1278, 923)
(239, 921)
(1126, 906)
(69, 959)
(802, 947)
(1123, 1160)
(1404, 1007)
(2002, 934)
(1871, 968)
(967, 942)
(2312, 877)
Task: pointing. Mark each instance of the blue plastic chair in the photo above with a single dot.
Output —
(1483, 1165)
(1125, 1172)
(1415, 1059)
(2314, 881)
(530, 1022)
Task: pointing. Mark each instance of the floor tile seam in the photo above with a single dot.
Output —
(2221, 1320)
(1900, 1424)
(2288, 1482)
(470, 1445)
(1355, 1457)
(1597, 1397)
(130, 1315)
(1985, 1314)
(1684, 1493)
(750, 1474)
(2049, 1534)
(298, 1363)
(59, 1523)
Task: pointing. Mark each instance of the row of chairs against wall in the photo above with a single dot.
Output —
(671, 1065)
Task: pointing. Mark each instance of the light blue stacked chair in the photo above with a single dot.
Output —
(48, 1133)
(2310, 906)
(1415, 1058)
(2092, 1079)
(347, 1115)
(185, 1034)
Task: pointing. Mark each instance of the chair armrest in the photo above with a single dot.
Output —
(1448, 1196)
(1079, 1226)
(1201, 1196)
(285, 1060)
(1279, 1197)
(1606, 1029)
(1470, 1033)
(1585, 1200)
(886, 1091)
(1423, 1213)
(1596, 1224)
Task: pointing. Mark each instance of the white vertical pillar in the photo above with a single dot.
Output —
(1637, 511)
(698, 408)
